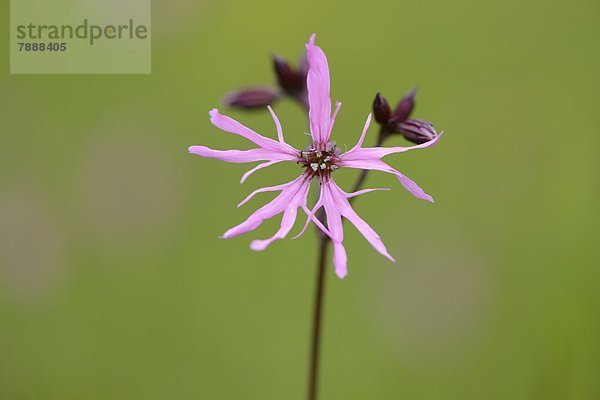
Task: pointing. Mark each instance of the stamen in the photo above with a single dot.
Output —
(320, 163)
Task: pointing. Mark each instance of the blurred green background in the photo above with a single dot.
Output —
(114, 284)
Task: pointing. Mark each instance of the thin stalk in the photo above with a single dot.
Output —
(313, 378)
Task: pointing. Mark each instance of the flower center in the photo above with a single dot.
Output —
(320, 163)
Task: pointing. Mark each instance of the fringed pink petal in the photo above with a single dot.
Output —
(240, 156)
(262, 190)
(257, 168)
(340, 260)
(288, 219)
(318, 94)
(277, 125)
(412, 187)
(338, 105)
(311, 216)
(341, 201)
(291, 193)
(335, 227)
(379, 165)
(363, 191)
(232, 126)
(376, 153)
(363, 134)
(287, 222)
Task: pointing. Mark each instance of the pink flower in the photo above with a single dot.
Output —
(320, 160)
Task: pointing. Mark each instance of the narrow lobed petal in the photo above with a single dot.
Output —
(239, 156)
(293, 192)
(379, 165)
(318, 85)
(288, 219)
(341, 201)
(375, 153)
(338, 105)
(277, 125)
(340, 260)
(261, 190)
(232, 126)
(363, 191)
(413, 188)
(336, 229)
(287, 222)
(257, 168)
(361, 139)
(311, 216)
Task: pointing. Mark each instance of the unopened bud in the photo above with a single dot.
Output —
(417, 131)
(405, 106)
(381, 109)
(255, 97)
(303, 67)
(289, 80)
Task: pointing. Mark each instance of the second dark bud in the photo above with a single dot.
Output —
(290, 80)
(399, 121)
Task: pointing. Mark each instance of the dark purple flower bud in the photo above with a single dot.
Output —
(289, 80)
(417, 131)
(303, 67)
(381, 109)
(405, 106)
(254, 97)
